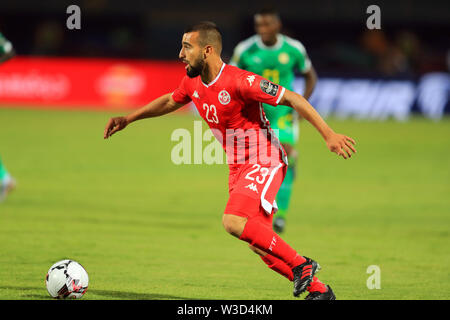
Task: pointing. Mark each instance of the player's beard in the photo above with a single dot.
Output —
(195, 69)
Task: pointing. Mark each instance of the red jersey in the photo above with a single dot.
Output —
(232, 107)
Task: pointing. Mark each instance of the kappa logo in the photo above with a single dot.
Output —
(224, 97)
(196, 94)
(252, 187)
(250, 79)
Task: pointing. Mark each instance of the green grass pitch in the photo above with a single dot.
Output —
(145, 228)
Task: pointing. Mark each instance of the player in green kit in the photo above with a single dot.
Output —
(7, 183)
(6, 49)
(278, 58)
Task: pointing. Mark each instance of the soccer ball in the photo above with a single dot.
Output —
(66, 279)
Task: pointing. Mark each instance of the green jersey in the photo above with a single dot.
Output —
(277, 63)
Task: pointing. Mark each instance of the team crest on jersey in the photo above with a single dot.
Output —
(224, 97)
(283, 58)
(268, 87)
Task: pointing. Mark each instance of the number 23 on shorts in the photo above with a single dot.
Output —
(260, 172)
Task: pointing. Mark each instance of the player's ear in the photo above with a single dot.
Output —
(208, 50)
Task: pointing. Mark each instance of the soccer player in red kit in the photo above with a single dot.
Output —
(229, 100)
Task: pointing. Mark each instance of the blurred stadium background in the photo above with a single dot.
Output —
(408, 56)
(122, 208)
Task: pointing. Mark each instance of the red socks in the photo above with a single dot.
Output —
(261, 237)
(278, 266)
(282, 268)
(316, 285)
(280, 256)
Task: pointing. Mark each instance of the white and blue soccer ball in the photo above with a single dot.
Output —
(67, 279)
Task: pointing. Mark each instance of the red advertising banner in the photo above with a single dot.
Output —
(105, 84)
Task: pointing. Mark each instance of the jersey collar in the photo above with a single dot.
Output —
(276, 46)
(217, 78)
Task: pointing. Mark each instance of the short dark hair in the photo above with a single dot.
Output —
(268, 11)
(209, 33)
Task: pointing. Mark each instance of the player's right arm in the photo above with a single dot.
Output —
(158, 107)
(338, 143)
(165, 104)
(255, 88)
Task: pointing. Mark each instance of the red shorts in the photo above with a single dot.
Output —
(253, 188)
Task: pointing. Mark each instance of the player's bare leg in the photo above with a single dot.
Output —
(234, 224)
(267, 241)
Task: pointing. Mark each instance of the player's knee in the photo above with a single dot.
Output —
(234, 225)
(230, 226)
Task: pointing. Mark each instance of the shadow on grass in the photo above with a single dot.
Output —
(44, 294)
(136, 296)
(103, 294)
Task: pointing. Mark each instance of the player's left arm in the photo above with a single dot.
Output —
(337, 143)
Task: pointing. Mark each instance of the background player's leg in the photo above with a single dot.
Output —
(3, 171)
(6, 181)
(4, 175)
(284, 194)
(288, 131)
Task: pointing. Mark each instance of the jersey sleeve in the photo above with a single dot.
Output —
(303, 63)
(236, 60)
(180, 95)
(253, 87)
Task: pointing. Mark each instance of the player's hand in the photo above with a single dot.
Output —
(114, 125)
(341, 145)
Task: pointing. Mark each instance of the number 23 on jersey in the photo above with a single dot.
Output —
(211, 113)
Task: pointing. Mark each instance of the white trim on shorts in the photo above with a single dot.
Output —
(267, 206)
